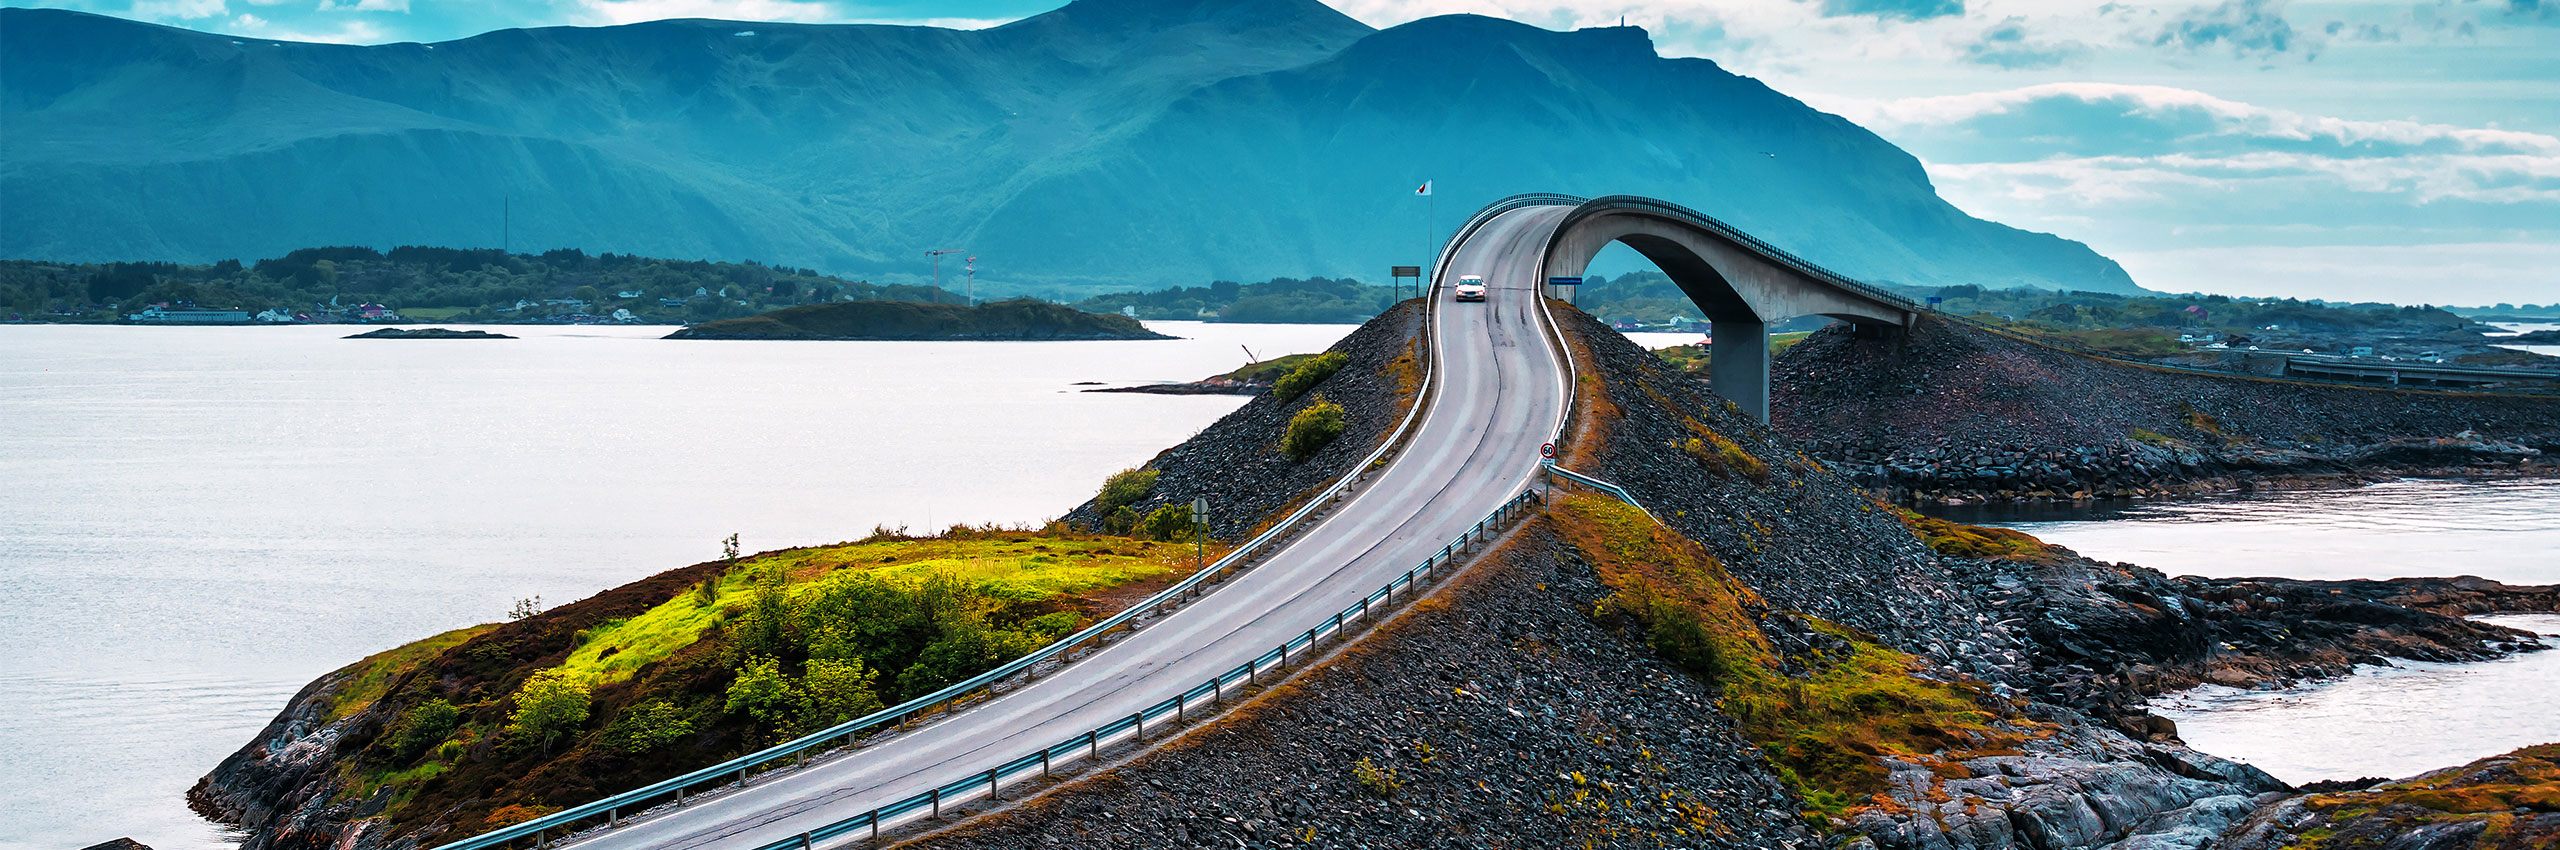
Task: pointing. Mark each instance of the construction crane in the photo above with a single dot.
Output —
(937, 269)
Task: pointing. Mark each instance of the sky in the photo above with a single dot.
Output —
(2391, 150)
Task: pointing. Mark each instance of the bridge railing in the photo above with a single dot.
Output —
(1090, 745)
(609, 810)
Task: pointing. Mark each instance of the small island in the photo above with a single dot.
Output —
(426, 333)
(1022, 319)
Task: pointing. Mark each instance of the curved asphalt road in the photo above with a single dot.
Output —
(1501, 393)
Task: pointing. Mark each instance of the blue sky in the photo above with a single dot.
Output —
(2387, 149)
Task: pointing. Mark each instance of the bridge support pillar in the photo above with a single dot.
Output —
(1738, 364)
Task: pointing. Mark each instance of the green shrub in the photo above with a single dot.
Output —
(549, 703)
(419, 728)
(1313, 429)
(838, 691)
(1169, 523)
(1308, 374)
(1125, 487)
(762, 691)
(646, 727)
(1121, 520)
(451, 751)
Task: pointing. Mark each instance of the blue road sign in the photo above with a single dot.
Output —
(1564, 281)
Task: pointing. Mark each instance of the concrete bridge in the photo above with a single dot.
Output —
(1742, 284)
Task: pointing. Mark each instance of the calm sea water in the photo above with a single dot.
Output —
(2384, 721)
(194, 522)
(2512, 328)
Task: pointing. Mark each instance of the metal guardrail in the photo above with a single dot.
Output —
(610, 808)
(1620, 493)
(1088, 746)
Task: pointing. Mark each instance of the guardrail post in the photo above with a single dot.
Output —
(991, 785)
(1093, 745)
(1044, 764)
(1178, 700)
(937, 802)
(613, 818)
(804, 841)
(679, 796)
(1141, 717)
(875, 824)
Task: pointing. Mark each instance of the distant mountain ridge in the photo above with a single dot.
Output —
(1108, 143)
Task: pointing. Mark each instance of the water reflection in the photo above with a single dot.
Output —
(2384, 721)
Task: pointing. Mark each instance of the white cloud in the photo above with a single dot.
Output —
(176, 10)
(365, 6)
(635, 11)
(2161, 103)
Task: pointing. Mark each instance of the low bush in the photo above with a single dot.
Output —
(1123, 488)
(1171, 523)
(646, 727)
(422, 726)
(1313, 429)
(549, 703)
(1308, 375)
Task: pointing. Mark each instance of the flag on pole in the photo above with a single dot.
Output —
(1425, 190)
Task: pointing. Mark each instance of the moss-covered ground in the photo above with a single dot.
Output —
(1828, 716)
(697, 665)
(1974, 541)
(2507, 802)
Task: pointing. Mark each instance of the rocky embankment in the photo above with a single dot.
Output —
(1235, 463)
(1954, 414)
(911, 321)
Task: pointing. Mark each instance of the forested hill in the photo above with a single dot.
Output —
(1104, 146)
(437, 283)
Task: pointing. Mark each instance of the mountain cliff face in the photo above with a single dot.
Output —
(1107, 143)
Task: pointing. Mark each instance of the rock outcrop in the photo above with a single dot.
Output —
(1952, 413)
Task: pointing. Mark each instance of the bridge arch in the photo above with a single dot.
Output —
(1740, 283)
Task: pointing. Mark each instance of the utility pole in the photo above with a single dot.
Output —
(937, 270)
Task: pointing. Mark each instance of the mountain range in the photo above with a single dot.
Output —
(1105, 144)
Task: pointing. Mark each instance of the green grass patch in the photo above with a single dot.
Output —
(1828, 728)
(1267, 371)
(373, 676)
(1306, 375)
(1015, 566)
(1695, 359)
(432, 314)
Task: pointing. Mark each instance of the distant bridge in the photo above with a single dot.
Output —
(1741, 283)
(2420, 374)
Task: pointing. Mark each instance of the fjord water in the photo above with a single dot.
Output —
(2384, 721)
(194, 522)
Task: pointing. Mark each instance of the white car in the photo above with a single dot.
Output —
(1470, 288)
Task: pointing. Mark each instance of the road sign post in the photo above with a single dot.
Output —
(1400, 273)
(1200, 534)
(1569, 284)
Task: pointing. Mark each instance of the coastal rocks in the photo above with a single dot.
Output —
(119, 844)
(1953, 415)
(278, 790)
(2506, 802)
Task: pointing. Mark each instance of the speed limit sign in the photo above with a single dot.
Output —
(1547, 450)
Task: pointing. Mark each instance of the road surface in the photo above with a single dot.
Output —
(1500, 394)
